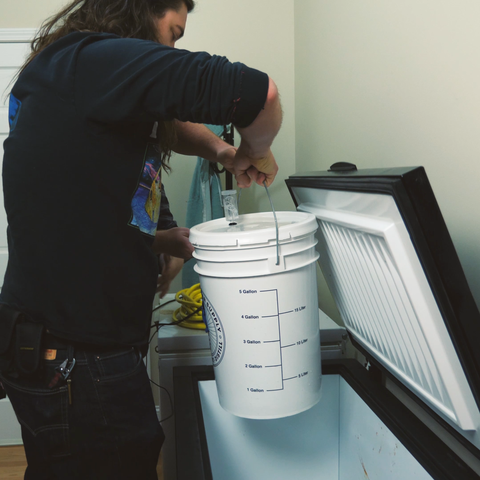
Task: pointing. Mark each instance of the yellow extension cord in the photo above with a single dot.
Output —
(190, 300)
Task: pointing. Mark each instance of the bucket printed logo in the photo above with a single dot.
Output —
(216, 334)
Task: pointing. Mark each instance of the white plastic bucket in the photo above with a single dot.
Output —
(262, 318)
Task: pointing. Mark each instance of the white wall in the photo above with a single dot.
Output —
(27, 13)
(397, 83)
(255, 33)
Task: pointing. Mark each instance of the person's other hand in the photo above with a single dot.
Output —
(174, 242)
(171, 266)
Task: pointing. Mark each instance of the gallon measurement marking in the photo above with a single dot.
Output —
(279, 337)
(278, 340)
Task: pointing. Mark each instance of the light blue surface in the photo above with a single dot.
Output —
(282, 449)
(368, 450)
(340, 438)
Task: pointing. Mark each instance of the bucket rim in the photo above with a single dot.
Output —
(219, 233)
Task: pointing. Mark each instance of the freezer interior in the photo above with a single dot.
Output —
(339, 438)
(358, 430)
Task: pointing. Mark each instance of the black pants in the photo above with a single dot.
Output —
(109, 431)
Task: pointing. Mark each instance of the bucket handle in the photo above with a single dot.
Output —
(276, 223)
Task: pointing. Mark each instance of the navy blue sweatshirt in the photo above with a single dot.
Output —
(81, 175)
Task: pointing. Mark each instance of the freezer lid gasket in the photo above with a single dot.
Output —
(391, 265)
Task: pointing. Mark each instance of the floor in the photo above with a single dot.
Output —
(13, 463)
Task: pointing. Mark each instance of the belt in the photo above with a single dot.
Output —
(52, 342)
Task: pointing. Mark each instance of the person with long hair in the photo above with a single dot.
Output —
(95, 113)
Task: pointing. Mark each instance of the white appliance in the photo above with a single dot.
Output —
(180, 347)
(413, 410)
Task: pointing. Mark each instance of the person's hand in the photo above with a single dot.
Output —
(174, 242)
(171, 266)
(246, 168)
(258, 169)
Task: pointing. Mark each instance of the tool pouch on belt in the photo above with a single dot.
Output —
(20, 342)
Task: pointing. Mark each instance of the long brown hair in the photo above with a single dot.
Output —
(125, 18)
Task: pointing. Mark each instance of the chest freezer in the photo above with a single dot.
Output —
(412, 410)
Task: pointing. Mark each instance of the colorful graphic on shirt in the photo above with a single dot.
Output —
(147, 198)
(13, 111)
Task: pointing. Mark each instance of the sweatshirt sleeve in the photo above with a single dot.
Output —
(120, 80)
(165, 219)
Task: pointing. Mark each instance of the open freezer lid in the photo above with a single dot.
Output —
(391, 266)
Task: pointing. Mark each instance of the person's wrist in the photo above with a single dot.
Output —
(254, 151)
(224, 153)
